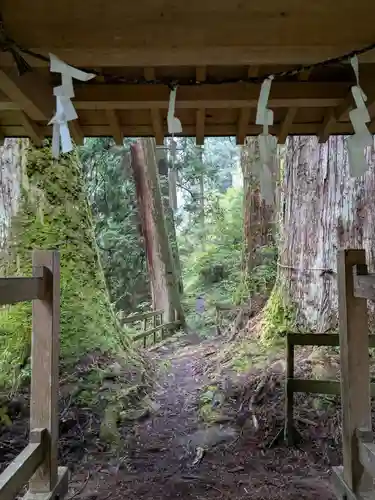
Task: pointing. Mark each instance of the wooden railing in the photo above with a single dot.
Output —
(308, 386)
(37, 463)
(354, 480)
(158, 326)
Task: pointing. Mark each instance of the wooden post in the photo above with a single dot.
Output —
(289, 395)
(44, 411)
(355, 373)
(155, 324)
(162, 329)
(144, 329)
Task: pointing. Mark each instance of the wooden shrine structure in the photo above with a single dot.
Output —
(208, 47)
(200, 42)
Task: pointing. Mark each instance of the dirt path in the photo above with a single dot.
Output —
(162, 449)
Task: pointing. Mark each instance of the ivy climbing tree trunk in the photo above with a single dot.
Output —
(161, 267)
(322, 209)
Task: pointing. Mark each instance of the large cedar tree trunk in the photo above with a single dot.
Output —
(161, 267)
(258, 218)
(322, 209)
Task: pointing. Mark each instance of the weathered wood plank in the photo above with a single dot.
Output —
(320, 339)
(313, 386)
(289, 395)
(58, 492)
(355, 371)
(145, 334)
(367, 456)
(140, 316)
(364, 286)
(14, 290)
(20, 470)
(45, 366)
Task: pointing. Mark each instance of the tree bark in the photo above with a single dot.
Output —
(322, 209)
(258, 217)
(163, 170)
(163, 279)
(11, 154)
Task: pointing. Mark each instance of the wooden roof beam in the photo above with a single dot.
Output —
(115, 125)
(31, 92)
(156, 120)
(333, 115)
(286, 124)
(214, 55)
(244, 116)
(200, 77)
(237, 95)
(32, 129)
(77, 133)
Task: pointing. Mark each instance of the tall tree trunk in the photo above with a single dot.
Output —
(163, 279)
(258, 217)
(163, 170)
(10, 184)
(201, 199)
(322, 209)
(54, 214)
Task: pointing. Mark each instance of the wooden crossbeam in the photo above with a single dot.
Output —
(31, 92)
(156, 120)
(115, 126)
(209, 55)
(14, 290)
(232, 95)
(32, 129)
(77, 132)
(286, 124)
(200, 76)
(333, 115)
(245, 113)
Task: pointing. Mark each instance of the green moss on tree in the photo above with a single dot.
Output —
(278, 316)
(54, 214)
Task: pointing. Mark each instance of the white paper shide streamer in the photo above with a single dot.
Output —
(174, 124)
(65, 112)
(359, 116)
(265, 140)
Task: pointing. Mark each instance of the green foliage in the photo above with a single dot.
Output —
(54, 214)
(111, 189)
(213, 270)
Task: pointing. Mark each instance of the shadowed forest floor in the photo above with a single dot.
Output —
(162, 450)
(173, 454)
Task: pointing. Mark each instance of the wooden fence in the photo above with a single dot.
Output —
(158, 326)
(354, 479)
(308, 386)
(37, 463)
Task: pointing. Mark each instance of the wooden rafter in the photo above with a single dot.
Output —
(286, 124)
(333, 115)
(31, 129)
(77, 132)
(225, 96)
(244, 115)
(115, 126)
(200, 77)
(156, 120)
(30, 92)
